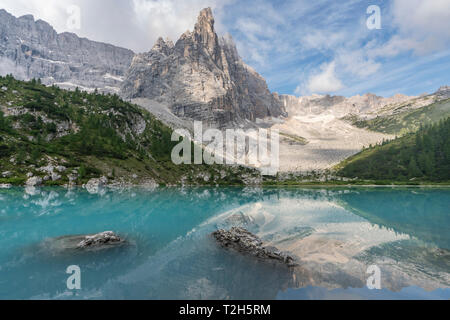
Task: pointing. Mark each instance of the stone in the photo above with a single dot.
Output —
(94, 186)
(30, 174)
(243, 241)
(34, 181)
(48, 169)
(7, 174)
(82, 243)
(100, 239)
(60, 168)
(5, 186)
(55, 176)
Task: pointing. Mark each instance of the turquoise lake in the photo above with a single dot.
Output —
(336, 234)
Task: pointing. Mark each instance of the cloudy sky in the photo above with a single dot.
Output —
(299, 46)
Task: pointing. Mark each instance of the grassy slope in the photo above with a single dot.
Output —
(290, 138)
(92, 135)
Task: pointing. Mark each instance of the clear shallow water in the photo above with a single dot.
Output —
(335, 233)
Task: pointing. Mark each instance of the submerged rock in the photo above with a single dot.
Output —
(100, 239)
(245, 242)
(93, 242)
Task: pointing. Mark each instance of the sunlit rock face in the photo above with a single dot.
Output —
(201, 77)
(33, 49)
(365, 106)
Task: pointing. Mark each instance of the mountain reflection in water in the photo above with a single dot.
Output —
(335, 233)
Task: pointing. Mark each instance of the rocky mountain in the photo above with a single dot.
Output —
(201, 77)
(365, 107)
(33, 49)
(336, 127)
(443, 93)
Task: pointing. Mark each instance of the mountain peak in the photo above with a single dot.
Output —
(163, 46)
(203, 78)
(443, 92)
(28, 17)
(206, 15)
(205, 22)
(205, 34)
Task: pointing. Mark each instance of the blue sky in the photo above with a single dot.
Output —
(306, 47)
(300, 46)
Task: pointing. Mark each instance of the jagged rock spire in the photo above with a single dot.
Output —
(202, 78)
(204, 32)
(163, 46)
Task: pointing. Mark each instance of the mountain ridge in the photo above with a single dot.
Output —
(35, 50)
(202, 77)
(223, 92)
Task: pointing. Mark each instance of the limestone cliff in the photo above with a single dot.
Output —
(201, 77)
(33, 49)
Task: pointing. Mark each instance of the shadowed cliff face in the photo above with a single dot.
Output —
(201, 77)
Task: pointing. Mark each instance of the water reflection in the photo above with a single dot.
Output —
(335, 246)
(336, 234)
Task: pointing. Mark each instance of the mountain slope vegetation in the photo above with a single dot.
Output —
(88, 135)
(407, 121)
(424, 156)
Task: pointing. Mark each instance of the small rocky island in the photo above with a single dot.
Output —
(245, 242)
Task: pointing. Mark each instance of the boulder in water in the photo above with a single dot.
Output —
(99, 240)
(34, 181)
(245, 242)
(95, 186)
(81, 243)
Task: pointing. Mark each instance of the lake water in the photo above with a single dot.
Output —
(336, 234)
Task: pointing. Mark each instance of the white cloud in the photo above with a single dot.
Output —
(323, 40)
(324, 82)
(133, 24)
(171, 18)
(52, 11)
(356, 63)
(423, 27)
